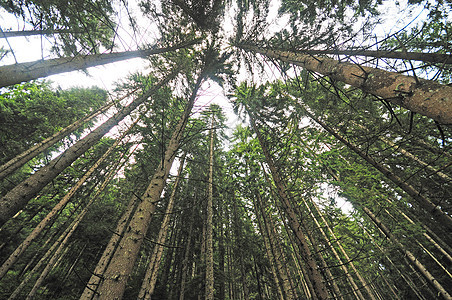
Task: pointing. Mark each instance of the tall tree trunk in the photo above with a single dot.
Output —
(277, 251)
(412, 259)
(187, 251)
(19, 196)
(117, 273)
(23, 33)
(148, 285)
(17, 73)
(425, 97)
(419, 56)
(209, 222)
(59, 207)
(313, 269)
(268, 247)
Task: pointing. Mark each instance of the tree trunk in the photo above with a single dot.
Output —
(148, 285)
(19, 196)
(413, 260)
(313, 270)
(23, 33)
(419, 56)
(209, 222)
(427, 97)
(59, 207)
(17, 73)
(268, 247)
(121, 266)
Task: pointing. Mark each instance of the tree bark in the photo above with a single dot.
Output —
(148, 285)
(17, 73)
(418, 56)
(8, 34)
(121, 266)
(425, 97)
(209, 222)
(19, 196)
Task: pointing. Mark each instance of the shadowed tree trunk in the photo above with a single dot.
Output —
(209, 222)
(425, 97)
(17, 73)
(8, 34)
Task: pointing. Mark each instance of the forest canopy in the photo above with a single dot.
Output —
(260, 150)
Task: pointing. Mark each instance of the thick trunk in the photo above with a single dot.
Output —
(19, 196)
(209, 222)
(419, 56)
(412, 259)
(313, 270)
(17, 73)
(148, 285)
(427, 97)
(121, 266)
(56, 210)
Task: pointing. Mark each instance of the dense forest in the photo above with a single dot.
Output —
(333, 182)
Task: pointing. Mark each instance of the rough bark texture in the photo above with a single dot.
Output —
(17, 73)
(121, 266)
(419, 56)
(19, 196)
(148, 285)
(313, 270)
(412, 259)
(425, 97)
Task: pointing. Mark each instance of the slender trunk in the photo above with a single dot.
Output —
(148, 285)
(121, 266)
(185, 262)
(277, 251)
(425, 97)
(17, 73)
(313, 270)
(407, 279)
(59, 207)
(18, 161)
(412, 259)
(95, 279)
(268, 246)
(23, 33)
(19, 196)
(209, 222)
(419, 56)
(355, 288)
(424, 202)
